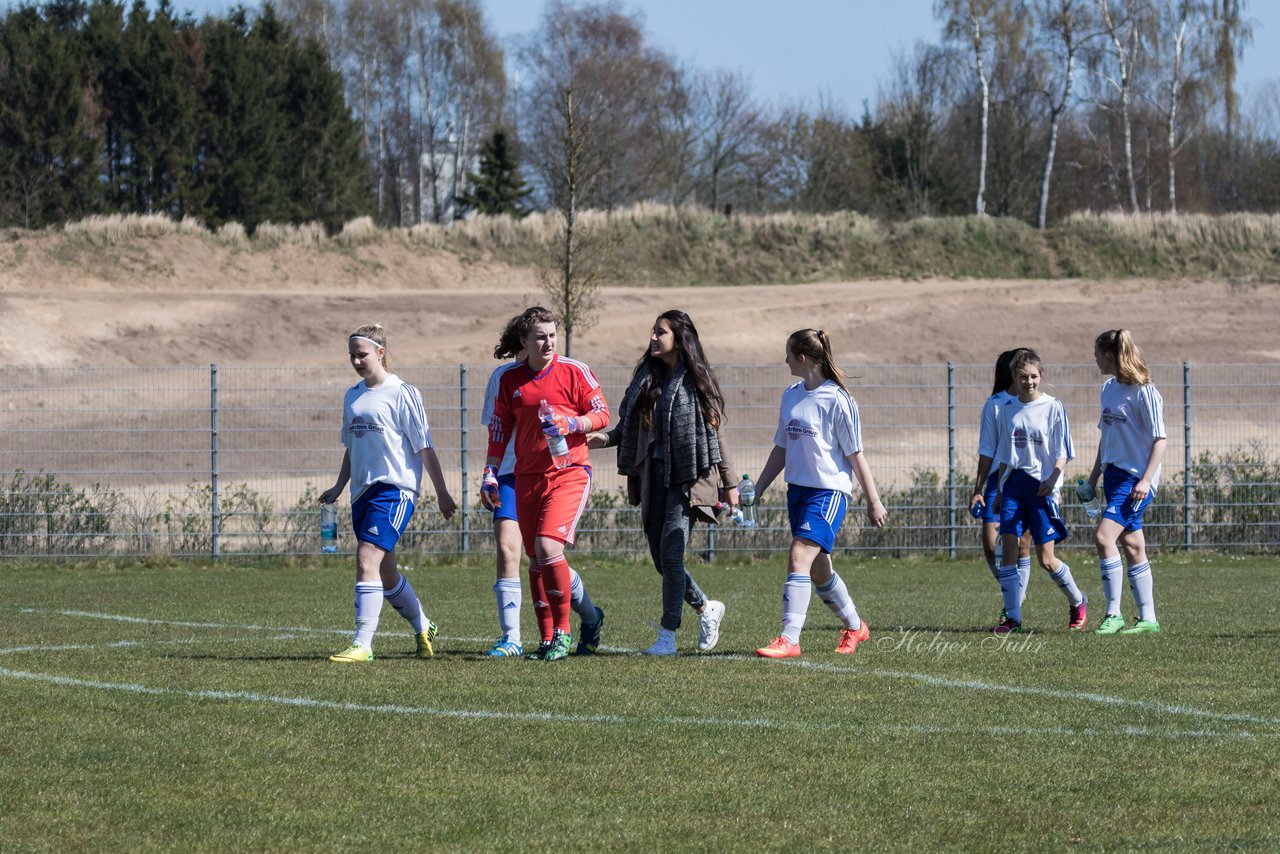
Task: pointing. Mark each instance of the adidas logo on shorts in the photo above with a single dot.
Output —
(374, 530)
(804, 526)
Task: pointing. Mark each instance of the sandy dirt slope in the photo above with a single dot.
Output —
(188, 300)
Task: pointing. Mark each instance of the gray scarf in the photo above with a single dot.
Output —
(690, 446)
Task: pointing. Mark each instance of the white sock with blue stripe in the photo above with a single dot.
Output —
(1011, 588)
(1024, 570)
(1112, 569)
(1140, 584)
(579, 599)
(795, 605)
(406, 603)
(837, 597)
(507, 592)
(1062, 577)
(368, 609)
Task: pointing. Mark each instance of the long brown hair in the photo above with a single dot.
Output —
(517, 329)
(815, 346)
(1130, 368)
(689, 350)
(1004, 368)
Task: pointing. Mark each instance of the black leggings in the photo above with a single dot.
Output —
(667, 522)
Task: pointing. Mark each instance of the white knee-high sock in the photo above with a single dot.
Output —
(1112, 582)
(836, 595)
(1011, 588)
(407, 605)
(507, 592)
(1024, 570)
(795, 605)
(1140, 584)
(579, 599)
(1062, 577)
(368, 608)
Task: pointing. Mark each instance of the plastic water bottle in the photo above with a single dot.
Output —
(557, 445)
(735, 513)
(328, 529)
(1089, 497)
(747, 497)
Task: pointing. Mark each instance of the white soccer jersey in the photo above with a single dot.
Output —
(819, 429)
(1033, 436)
(385, 430)
(508, 464)
(1132, 419)
(989, 427)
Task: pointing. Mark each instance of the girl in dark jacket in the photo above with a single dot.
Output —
(677, 468)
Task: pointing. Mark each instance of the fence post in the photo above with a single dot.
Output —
(462, 421)
(1186, 456)
(951, 455)
(213, 456)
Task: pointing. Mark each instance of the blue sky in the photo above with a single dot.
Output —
(805, 49)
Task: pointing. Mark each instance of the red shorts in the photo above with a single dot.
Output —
(550, 504)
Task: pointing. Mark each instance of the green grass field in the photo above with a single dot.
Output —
(190, 706)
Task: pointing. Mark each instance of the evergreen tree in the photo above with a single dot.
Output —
(496, 188)
(46, 157)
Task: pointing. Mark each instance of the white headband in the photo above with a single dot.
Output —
(363, 338)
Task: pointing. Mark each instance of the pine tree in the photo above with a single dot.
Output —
(496, 188)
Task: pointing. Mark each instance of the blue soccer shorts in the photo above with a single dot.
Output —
(380, 515)
(1117, 486)
(816, 514)
(1021, 510)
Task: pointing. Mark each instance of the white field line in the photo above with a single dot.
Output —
(626, 720)
(924, 678)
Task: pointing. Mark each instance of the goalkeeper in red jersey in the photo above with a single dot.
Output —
(551, 493)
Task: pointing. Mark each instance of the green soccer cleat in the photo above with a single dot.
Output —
(1142, 627)
(540, 653)
(561, 643)
(354, 654)
(424, 639)
(1110, 625)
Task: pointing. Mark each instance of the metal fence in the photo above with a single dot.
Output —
(230, 460)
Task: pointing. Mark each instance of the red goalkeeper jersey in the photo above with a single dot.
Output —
(569, 387)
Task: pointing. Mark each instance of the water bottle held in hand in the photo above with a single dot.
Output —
(557, 445)
(1089, 497)
(328, 529)
(735, 513)
(747, 497)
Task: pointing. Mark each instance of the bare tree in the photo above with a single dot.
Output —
(1180, 25)
(573, 284)
(731, 120)
(1066, 24)
(975, 23)
(912, 109)
(1123, 23)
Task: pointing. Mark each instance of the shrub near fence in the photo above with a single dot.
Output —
(191, 461)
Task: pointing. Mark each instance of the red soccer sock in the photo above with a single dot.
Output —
(541, 609)
(558, 583)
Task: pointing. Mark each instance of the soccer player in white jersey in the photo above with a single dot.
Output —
(506, 530)
(818, 449)
(1033, 450)
(986, 483)
(384, 428)
(1128, 461)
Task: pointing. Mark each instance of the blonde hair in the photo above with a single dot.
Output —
(375, 333)
(815, 346)
(1130, 369)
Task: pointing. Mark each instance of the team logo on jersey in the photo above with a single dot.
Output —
(359, 427)
(515, 395)
(1021, 438)
(796, 430)
(1114, 416)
